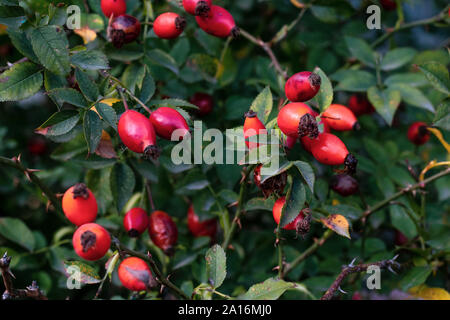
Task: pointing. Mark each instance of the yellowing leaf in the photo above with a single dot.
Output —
(338, 224)
(105, 148)
(87, 34)
(298, 4)
(427, 293)
(107, 101)
(335, 202)
(438, 135)
(3, 29)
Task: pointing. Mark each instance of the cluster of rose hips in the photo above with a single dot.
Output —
(124, 28)
(91, 241)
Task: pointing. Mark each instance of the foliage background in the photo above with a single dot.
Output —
(39, 241)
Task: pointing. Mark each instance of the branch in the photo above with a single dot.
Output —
(239, 210)
(347, 270)
(32, 291)
(159, 276)
(423, 22)
(29, 173)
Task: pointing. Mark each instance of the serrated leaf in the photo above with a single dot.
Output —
(385, 102)
(338, 223)
(172, 103)
(148, 88)
(59, 123)
(442, 116)
(271, 289)
(69, 95)
(259, 204)
(51, 47)
(295, 201)
(87, 86)
(438, 76)
(354, 80)
(307, 173)
(397, 58)
(16, 231)
(86, 273)
(20, 82)
(262, 104)
(413, 96)
(122, 182)
(22, 44)
(216, 265)
(163, 59)
(107, 113)
(325, 95)
(12, 16)
(415, 276)
(92, 127)
(90, 60)
(361, 50)
(412, 79)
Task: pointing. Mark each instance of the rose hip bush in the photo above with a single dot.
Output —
(93, 205)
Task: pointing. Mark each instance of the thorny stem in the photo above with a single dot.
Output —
(239, 209)
(389, 33)
(159, 276)
(32, 291)
(16, 163)
(347, 270)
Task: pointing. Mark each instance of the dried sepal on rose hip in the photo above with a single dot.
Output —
(169, 25)
(79, 204)
(219, 23)
(91, 241)
(137, 134)
(271, 185)
(297, 119)
(197, 7)
(123, 29)
(302, 86)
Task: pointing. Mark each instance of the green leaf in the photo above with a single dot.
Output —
(259, 204)
(438, 76)
(127, 53)
(397, 58)
(22, 44)
(132, 76)
(442, 117)
(262, 104)
(295, 201)
(163, 59)
(413, 96)
(87, 86)
(148, 88)
(92, 126)
(361, 50)
(271, 289)
(122, 182)
(108, 114)
(20, 82)
(172, 103)
(90, 60)
(194, 181)
(60, 123)
(216, 265)
(354, 80)
(87, 274)
(16, 231)
(401, 221)
(385, 102)
(12, 16)
(69, 95)
(325, 95)
(416, 276)
(307, 173)
(51, 47)
(412, 79)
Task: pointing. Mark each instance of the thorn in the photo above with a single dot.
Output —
(276, 268)
(342, 291)
(351, 265)
(238, 221)
(394, 258)
(10, 273)
(392, 270)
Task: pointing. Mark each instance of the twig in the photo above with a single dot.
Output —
(347, 270)
(32, 291)
(283, 32)
(10, 65)
(239, 210)
(29, 173)
(159, 276)
(389, 33)
(150, 197)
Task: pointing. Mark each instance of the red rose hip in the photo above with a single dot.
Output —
(166, 120)
(253, 127)
(91, 241)
(137, 133)
(197, 7)
(113, 7)
(163, 231)
(360, 105)
(204, 102)
(79, 205)
(276, 211)
(135, 222)
(302, 86)
(135, 274)
(206, 228)
(340, 118)
(418, 133)
(123, 29)
(289, 118)
(344, 184)
(219, 22)
(169, 25)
